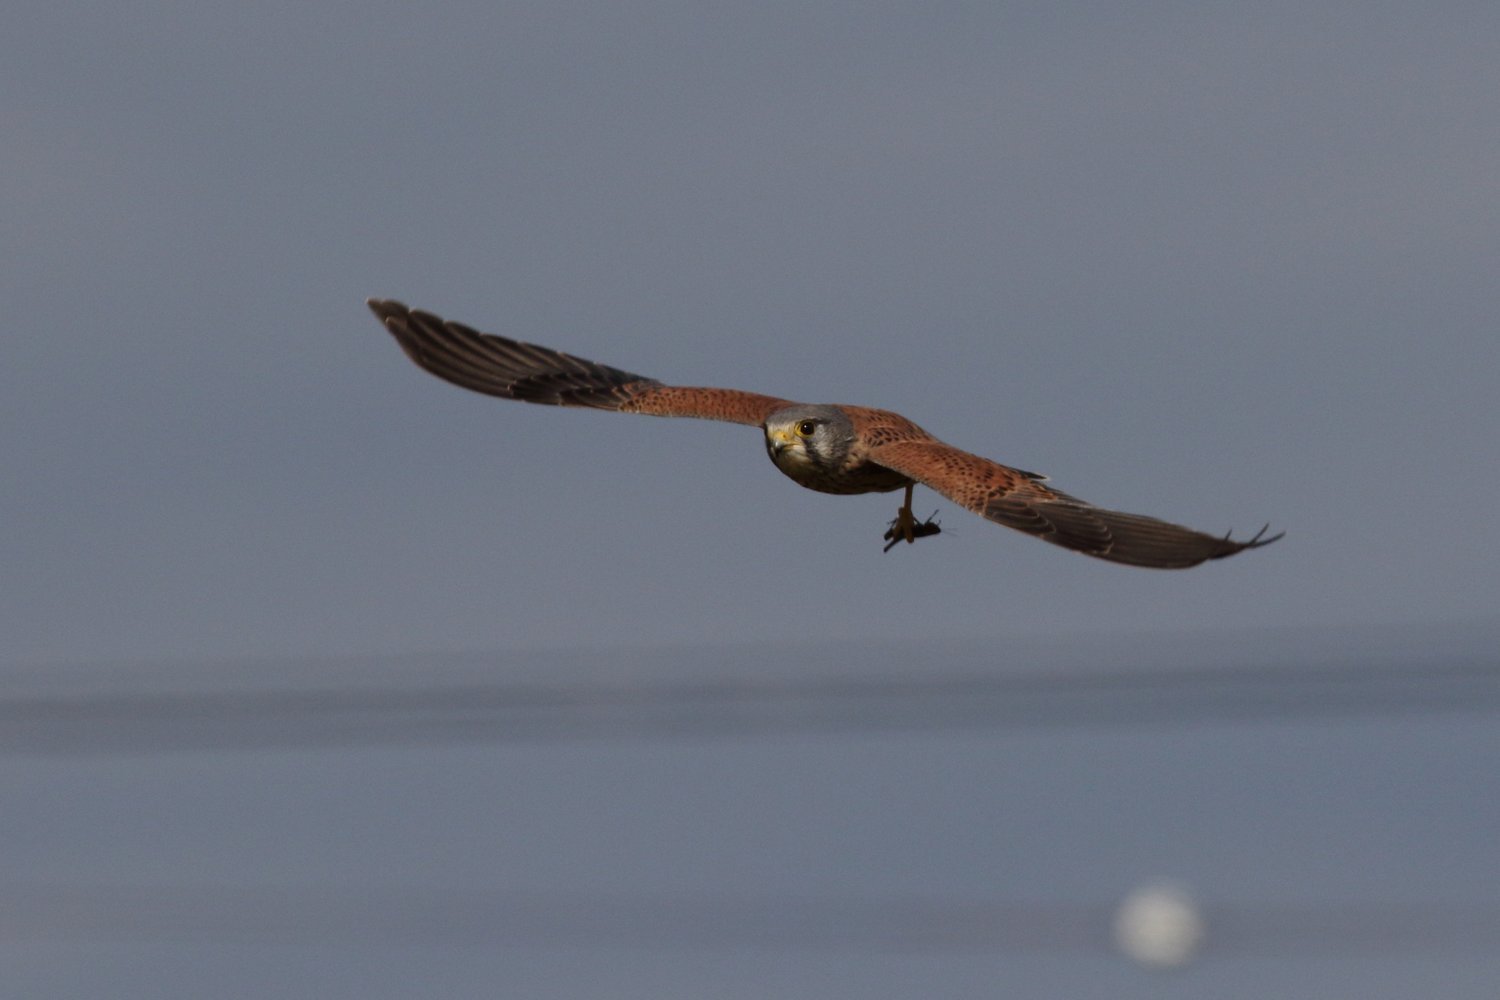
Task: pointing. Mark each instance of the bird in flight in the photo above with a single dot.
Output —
(824, 447)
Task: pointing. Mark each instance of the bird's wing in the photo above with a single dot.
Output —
(1022, 501)
(511, 369)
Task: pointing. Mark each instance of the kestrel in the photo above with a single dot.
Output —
(824, 447)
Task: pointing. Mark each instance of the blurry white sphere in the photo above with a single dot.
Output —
(1159, 925)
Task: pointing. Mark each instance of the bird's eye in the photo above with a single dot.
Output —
(807, 428)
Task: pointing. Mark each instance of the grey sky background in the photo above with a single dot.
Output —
(1225, 264)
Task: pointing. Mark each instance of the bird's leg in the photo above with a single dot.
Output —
(906, 527)
(902, 529)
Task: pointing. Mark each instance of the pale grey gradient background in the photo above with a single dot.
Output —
(1221, 263)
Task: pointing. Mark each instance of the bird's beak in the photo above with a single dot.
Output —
(778, 440)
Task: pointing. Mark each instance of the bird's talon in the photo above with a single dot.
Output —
(906, 528)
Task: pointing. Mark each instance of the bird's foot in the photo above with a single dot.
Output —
(906, 528)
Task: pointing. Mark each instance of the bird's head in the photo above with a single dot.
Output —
(808, 437)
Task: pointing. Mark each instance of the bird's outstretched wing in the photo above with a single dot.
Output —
(511, 369)
(1022, 501)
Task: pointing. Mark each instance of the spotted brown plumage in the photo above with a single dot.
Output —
(1023, 501)
(511, 369)
(825, 447)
